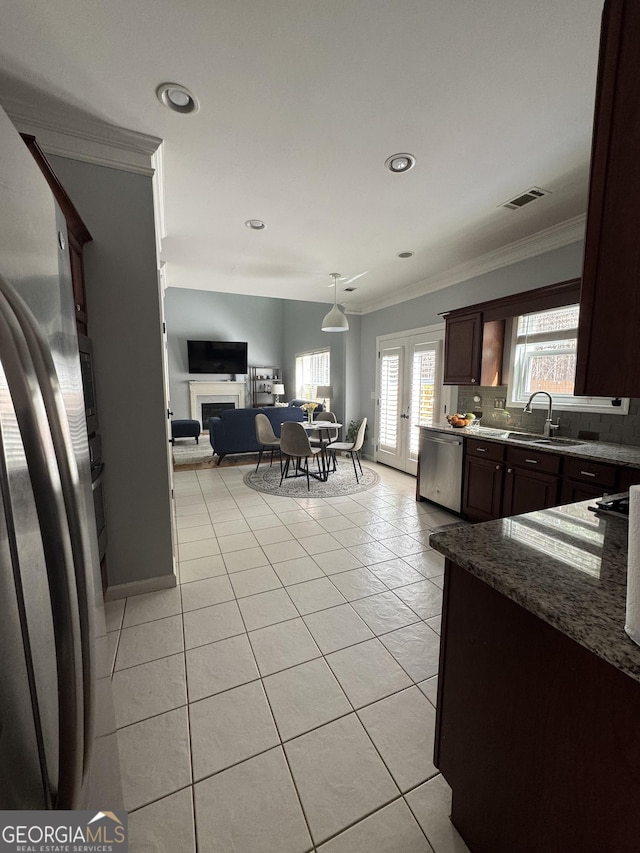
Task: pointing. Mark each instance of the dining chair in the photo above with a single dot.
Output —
(266, 438)
(353, 448)
(294, 443)
(326, 436)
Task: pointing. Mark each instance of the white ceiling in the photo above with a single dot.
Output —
(301, 103)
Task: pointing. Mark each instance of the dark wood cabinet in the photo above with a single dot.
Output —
(463, 350)
(585, 479)
(524, 715)
(528, 490)
(531, 482)
(502, 481)
(483, 480)
(77, 232)
(628, 477)
(472, 349)
(610, 299)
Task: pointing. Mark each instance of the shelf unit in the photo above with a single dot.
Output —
(261, 380)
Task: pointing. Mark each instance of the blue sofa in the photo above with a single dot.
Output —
(298, 403)
(235, 430)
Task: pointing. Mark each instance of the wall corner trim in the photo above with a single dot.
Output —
(86, 139)
(555, 237)
(124, 590)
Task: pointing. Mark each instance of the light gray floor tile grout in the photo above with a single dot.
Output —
(395, 500)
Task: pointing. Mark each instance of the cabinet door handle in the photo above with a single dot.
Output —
(481, 449)
(589, 473)
(498, 467)
(532, 461)
(473, 381)
(509, 470)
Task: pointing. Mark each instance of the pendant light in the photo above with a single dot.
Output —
(335, 321)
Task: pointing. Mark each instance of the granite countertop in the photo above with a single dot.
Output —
(566, 565)
(617, 454)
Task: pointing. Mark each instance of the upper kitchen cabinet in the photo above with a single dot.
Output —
(472, 349)
(77, 233)
(607, 359)
(462, 349)
(474, 336)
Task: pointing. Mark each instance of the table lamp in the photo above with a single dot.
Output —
(324, 391)
(277, 388)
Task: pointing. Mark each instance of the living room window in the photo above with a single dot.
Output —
(312, 369)
(543, 358)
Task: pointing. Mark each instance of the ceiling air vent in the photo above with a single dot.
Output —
(525, 198)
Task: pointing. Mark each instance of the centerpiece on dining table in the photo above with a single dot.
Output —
(309, 409)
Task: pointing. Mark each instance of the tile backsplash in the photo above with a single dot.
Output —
(616, 429)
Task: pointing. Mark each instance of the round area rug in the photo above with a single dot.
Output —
(341, 482)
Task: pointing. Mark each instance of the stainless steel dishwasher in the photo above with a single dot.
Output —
(441, 468)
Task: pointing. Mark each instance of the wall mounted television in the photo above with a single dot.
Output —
(217, 356)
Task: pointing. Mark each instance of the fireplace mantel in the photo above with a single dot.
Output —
(215, 392)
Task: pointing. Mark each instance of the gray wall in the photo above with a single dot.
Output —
(352, 404)
(124, 324)
(276, 330)
(353, 354)
(303, 332)
(202, 315)
(559, 265)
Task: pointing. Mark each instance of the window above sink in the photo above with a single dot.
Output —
(542, 357)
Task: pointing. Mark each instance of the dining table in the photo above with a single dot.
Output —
(323, 427)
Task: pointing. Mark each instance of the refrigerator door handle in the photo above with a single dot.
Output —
(33, 384)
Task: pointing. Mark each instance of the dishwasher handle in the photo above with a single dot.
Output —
(447, 440)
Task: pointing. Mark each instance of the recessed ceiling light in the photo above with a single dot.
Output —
(405, 254)
(255, 224)
(177, 98)
(400, 162)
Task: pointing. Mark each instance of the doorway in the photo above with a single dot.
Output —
(409, 393)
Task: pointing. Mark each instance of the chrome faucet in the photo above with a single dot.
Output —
(548, 424)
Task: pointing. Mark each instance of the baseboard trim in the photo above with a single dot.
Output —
(124, 590)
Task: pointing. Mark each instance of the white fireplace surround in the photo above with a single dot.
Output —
(214, 392)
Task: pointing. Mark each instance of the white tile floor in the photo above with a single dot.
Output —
(282, 698)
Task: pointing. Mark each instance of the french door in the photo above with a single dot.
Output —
(410, 394)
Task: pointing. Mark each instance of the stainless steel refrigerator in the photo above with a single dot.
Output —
(57, 733)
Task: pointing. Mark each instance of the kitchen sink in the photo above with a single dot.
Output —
(566, 442)
(540, 439)
(526, 436)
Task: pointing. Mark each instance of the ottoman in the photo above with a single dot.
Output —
(185, 429)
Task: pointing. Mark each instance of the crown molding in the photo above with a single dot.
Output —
(85, 139)
(554, 237)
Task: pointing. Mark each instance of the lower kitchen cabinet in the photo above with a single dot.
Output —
(628, 477)
(536, 735)
(483, 485)
(527, 481)
(528, 491)
(586, 478)
(532, 481)
(483, 480)
(573, 491)
(503, 480)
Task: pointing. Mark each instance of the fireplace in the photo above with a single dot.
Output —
(212, 410)
(224, 394)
